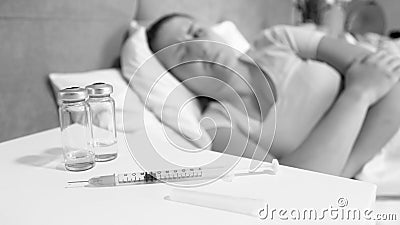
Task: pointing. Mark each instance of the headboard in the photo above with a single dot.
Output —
(250, 16)
(43, 36)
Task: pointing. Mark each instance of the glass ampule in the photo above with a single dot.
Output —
(74, 115)
(102, 108)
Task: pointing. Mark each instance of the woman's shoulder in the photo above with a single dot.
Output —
(218, 115)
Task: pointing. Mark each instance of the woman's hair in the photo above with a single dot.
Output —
(153, 29)
(311, 10)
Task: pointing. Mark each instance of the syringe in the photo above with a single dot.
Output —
(174, 175)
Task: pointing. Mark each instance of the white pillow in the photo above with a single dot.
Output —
(231, 35)
(134, 112)
(161, 92)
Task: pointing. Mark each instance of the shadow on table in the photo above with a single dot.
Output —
(51, 158)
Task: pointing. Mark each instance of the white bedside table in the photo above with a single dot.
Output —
(32, 190)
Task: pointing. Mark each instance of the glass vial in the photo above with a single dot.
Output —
(102, 108)
(75, 127)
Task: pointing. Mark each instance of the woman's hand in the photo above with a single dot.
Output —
(389, 46)
(373, 76)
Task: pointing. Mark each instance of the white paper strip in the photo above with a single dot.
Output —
(246, 206)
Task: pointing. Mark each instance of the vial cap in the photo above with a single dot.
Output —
(72, 94)
(99, 89)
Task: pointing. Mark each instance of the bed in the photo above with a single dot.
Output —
(45, 36)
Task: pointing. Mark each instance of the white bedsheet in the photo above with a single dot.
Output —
(384, 169)
(388, 208)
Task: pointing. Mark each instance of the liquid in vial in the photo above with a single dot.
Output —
(78, 160)
(105, 150)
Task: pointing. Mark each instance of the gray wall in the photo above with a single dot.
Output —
(43, 36)
(392, 13)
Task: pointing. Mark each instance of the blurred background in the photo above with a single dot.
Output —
(39, 37)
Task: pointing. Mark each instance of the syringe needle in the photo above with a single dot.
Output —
(79, 181)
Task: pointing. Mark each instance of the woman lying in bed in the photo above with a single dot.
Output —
(324, 121)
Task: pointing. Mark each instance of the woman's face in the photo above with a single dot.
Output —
(192, 50)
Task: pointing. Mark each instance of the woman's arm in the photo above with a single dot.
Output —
(312, 44)
(338, 53)
(325, 150)
(328, 146)
(233, 142)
